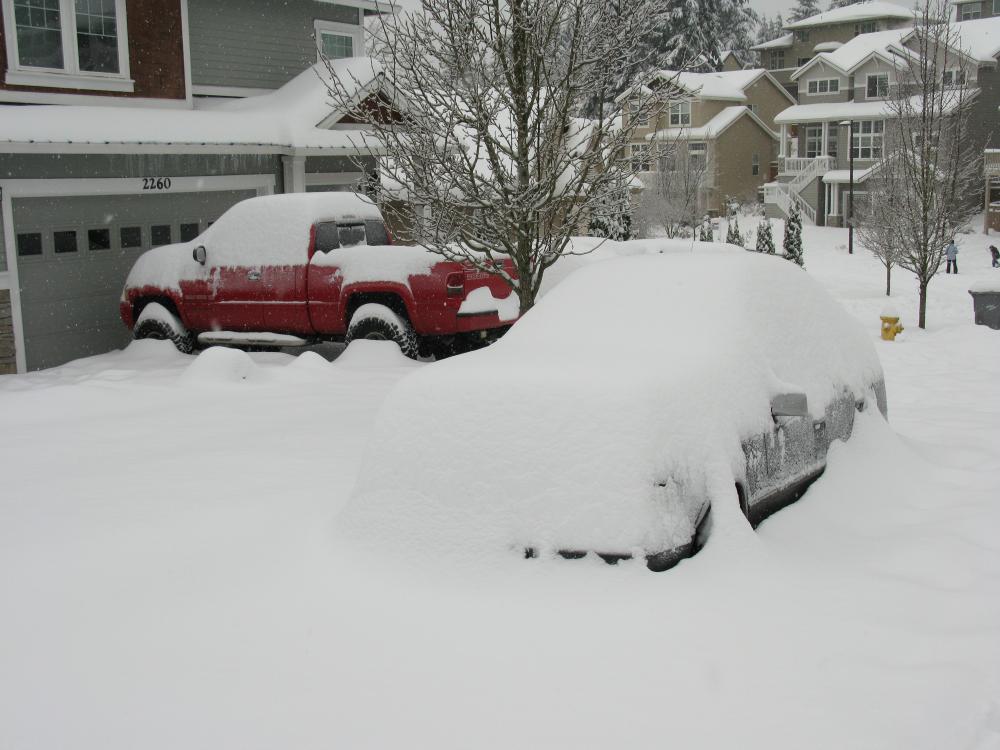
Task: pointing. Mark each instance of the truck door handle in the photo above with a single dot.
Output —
(254, 275)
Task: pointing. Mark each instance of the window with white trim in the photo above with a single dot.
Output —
(865, 27)
(971, 11)
(877, 86)
(67, 43)
(336, 41)
(680, 113)
(814, 141)
(867, 143)
(755, 163)
(954, 77)
(823, 86)
(697, 153)
(640, 157)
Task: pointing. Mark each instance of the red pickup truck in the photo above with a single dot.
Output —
(290, 270)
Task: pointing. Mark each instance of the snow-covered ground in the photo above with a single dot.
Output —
(172, 573)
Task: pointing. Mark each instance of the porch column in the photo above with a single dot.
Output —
(835, 199)
(294, 168)
(826, 139)
(783, 143)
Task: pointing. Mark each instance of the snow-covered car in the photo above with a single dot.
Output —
(289, 270)
(637, 395)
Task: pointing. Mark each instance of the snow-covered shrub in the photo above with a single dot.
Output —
(705, 232)
(733, 236)
(765, 240)
(793, 236)
(614, 225)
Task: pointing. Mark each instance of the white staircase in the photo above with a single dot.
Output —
(783, 194)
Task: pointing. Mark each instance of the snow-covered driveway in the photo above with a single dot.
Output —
(170, 576)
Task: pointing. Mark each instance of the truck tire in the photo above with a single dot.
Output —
(379, 323)
(158, 323)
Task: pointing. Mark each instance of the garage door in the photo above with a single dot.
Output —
(73, 254)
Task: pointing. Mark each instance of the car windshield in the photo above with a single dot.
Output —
(352, 234)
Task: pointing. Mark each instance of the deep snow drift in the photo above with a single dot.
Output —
(611, 412)
(169, 575)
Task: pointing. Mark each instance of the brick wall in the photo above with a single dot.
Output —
(7, 365)
(155, 53)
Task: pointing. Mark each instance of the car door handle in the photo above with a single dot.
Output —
(254, 275)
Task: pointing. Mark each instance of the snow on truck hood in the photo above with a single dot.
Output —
(632, 373)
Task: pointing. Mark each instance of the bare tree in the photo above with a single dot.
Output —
(922, 187)
(674, 195)
(491, 150)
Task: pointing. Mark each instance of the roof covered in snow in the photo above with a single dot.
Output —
(292, 117)
(839, 176)
(850, 13)
(728, 85)
(850, 55)
(980, 39)
(782, 42)
(713, 128)
(852, 110)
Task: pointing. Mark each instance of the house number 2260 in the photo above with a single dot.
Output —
(156, 183)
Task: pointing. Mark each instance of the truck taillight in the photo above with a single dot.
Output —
(456, 284)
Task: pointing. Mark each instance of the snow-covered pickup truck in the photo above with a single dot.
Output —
(290, 270)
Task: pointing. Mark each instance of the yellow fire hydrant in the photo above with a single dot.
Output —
(890, 326)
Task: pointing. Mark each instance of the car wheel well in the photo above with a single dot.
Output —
(141, 303)
(393, 301)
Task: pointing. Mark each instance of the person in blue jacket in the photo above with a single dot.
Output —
(951, 253)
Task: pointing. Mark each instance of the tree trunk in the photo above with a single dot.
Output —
(922, 316)
(888, 281)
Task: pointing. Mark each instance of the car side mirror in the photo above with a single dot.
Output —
(199, 254)
(789, 405)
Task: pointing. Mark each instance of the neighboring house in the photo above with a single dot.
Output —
(853, 83)
(152, 142)
(824, 32)
(725, 121)
(728, 60)
(971, 10)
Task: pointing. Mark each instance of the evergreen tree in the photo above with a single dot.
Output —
(769, 28)
(793, 236)
(804, 9)
(705, 232)
(614, 225)
(765, 240)
(733, 236)
(843, 3)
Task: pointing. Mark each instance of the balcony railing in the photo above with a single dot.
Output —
(992, 162)
(798, 164)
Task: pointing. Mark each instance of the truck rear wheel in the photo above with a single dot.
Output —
(379, 323)
(158, 323)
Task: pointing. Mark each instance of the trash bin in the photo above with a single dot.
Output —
(986, 303)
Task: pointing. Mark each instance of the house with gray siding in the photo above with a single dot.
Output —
(824, 32)
(853, 84)
(147, 130)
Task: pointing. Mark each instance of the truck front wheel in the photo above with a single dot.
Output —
(379, 323)
(157, 322)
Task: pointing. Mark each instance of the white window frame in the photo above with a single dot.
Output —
(868, 136)
(832, 86)
(641, 120)
(356, 33)
(641, 155)
(954, 77)
(814, 136)
(679, 110)
(888, 85)
(70, 76)
(971, 11)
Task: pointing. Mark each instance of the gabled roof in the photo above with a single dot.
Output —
(859, 50)
(850, 13)
(980, 39)
(293, 117)
(850, 110)
(713, 128)
(727, 85)
(782, 42)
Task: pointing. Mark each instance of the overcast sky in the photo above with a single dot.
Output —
(770, 7)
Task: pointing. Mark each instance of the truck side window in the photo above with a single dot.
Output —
(352, 234)
(327, 236)
(376, 233)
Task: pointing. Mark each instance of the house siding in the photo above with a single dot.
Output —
(253, 44)
(769, 100)
(8, 364)
(733, 152)
(58, 166)
(155, 52)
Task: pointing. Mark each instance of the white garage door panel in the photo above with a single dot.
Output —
(69, 301)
